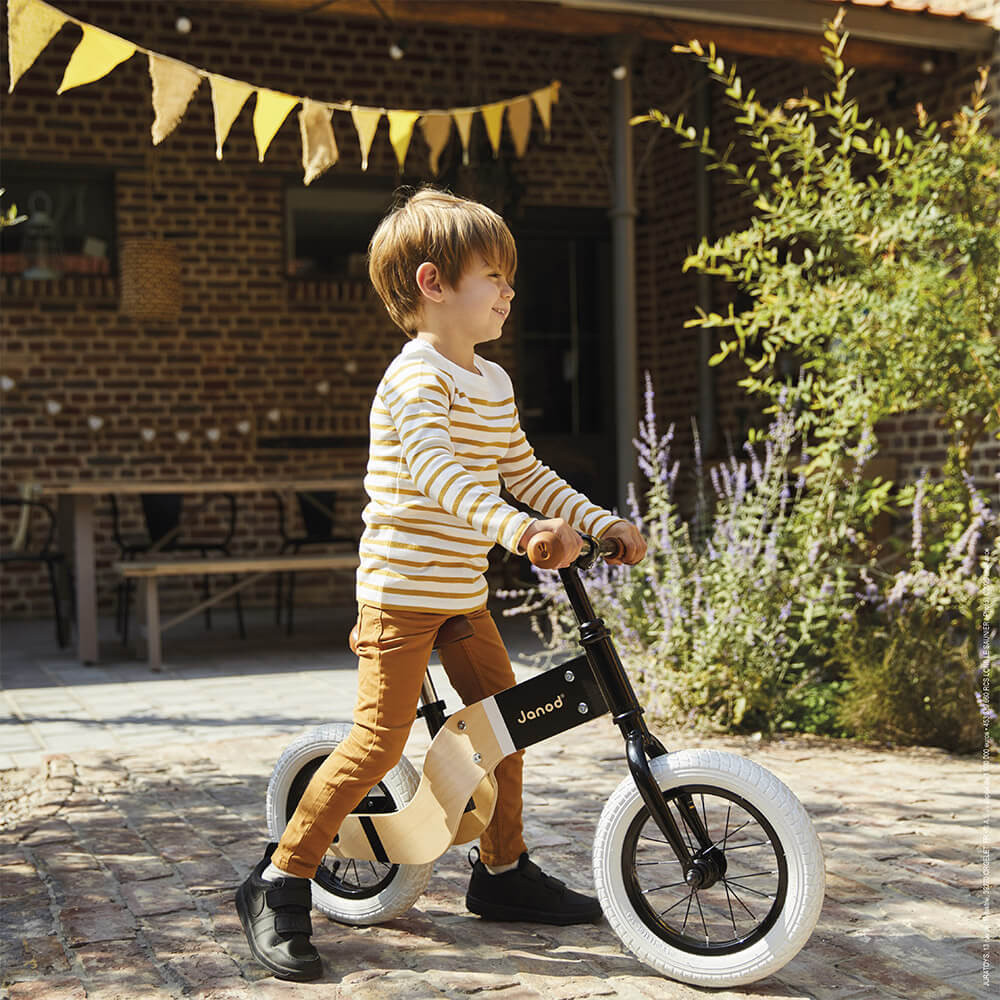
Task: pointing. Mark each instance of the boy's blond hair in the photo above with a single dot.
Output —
(439, 227)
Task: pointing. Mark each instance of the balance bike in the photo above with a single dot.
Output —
(707, 867)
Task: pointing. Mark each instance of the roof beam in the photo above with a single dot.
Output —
(557, 18)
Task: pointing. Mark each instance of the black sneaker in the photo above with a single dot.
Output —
(526, 893)
(275, 918)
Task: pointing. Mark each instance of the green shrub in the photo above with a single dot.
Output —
(910, 680)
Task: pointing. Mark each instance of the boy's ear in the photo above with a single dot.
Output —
(429, 281)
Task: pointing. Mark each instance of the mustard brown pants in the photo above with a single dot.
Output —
(394, 647)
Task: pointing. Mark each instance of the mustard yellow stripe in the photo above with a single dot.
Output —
(485, 543)
(482, 442)
(393, 548)
(399, 561)
(448, 485)
(478, 427)
(416, 525)
(558, 501)
(419, 368)
(431, 454)
(524, 456)
(489, 402)
(422, 578)
(541, 476)
(433, 418)
(425, 380)
(502, 533)
(575, 517)
(412, 592)
(397, 491)
(483, 416)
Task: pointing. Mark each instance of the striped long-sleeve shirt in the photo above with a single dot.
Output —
(441, 439)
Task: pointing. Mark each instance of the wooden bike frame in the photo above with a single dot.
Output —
(455, 798)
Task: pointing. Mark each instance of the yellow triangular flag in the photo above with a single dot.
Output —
(463, 121)
(319, 147)
(97, 54)
(437, 130)
(544, 99)
(401, 132)
(272, 109)
(493, 116)
(228, 98)
(519, 123)
(366, 122)
(31, 25)
(174, 84)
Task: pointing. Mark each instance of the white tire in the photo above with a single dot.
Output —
(756, 917)
(352, 892)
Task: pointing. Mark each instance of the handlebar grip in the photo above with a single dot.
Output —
(612, 548)
(545, 550)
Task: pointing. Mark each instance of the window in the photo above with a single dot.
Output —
(565, 353)
(70, 227)
(328, 228)
(564, 302)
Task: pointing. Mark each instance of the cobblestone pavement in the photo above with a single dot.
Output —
(118, 866)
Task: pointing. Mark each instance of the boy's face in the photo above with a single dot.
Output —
(480, 303)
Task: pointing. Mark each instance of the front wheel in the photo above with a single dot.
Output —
(352, 892)
(766, 892)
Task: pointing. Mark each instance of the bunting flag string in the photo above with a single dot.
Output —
(32, 24)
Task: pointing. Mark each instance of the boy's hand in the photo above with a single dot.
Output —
(635, 544)
(567, 539)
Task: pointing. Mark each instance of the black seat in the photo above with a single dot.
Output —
(317, 510)
(162, 514)
(37, 520)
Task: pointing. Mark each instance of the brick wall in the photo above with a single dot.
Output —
(248, 340)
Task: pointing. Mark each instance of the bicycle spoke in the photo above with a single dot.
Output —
(737, 830)
(747, 888)
(702, 914)
(678, 903)
(736, 907)
(729, 812)
(671, 885)
(740, 901)
(729, 902)
(687, 912)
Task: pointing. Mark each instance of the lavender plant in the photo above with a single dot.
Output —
(730, 627)
(914, 665)
(769, 610)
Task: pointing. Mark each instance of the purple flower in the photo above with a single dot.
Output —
(918, 528)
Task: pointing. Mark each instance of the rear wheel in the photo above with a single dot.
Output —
(761, 890)
(351, 891)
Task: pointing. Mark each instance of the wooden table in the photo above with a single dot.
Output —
(78, 501)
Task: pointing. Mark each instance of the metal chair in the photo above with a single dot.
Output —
(162, 517)
(318, 514)
(22, 549)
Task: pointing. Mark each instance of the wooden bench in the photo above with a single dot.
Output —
(150, 571)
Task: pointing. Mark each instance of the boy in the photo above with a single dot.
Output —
(444, 429)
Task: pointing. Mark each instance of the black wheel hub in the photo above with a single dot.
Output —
(707, 867)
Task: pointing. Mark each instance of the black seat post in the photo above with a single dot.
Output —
(431, 706)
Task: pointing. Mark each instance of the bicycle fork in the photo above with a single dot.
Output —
(702, 866)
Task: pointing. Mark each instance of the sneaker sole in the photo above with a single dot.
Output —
(496, 911)
(294, 975)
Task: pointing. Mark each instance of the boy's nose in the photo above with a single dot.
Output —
(507, 292)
